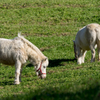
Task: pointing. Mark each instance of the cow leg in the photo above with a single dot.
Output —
(75, 51)
(93, 53)
(98, 46)
(79, 56)
(83, 55)
(98, 54)
(20, 73)
(17, 72)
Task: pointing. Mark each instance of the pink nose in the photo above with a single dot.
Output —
(43, 76)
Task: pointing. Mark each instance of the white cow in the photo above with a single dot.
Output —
(17, 51)
(87, 38)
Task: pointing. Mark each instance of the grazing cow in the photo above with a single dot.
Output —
(17, 51)
(87, 38)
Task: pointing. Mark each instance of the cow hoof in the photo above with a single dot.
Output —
(16, 83)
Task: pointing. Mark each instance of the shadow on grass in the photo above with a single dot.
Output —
(29, 65)
(92, 93)
(55, 94)
(56, 62)
(6, 83)
(60, 62)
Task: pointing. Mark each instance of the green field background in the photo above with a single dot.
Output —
(52, 26)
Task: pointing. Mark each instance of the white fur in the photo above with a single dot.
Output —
(17, 51)
(87, 38)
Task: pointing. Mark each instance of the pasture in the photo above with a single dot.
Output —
(52, 26)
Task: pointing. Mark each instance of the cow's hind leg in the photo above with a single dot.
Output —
(20, 73)
(99, 54)
(17, 72)
(98, 46)
(93, 53)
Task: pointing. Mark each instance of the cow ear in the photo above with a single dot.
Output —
(44, 59)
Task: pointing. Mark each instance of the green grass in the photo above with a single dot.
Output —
(51, 25)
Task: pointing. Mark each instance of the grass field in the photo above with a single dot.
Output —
(51, 25)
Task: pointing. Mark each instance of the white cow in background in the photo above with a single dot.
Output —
(17, 51)
(87, 38)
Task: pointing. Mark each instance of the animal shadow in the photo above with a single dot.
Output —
(6, 83)
(60, 62)
(29, 65)
(56, 62)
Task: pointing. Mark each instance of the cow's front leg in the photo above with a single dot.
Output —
(79, 56)
(17, 72)
(20, 73)
(83, 55)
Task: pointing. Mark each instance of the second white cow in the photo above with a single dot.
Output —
(87, 38)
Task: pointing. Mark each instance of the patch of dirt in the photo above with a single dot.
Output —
(20, 92)
(65, 69)
(51, 72)
(1, 87)
(45, 35)
(77, 67)
(46, 48)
